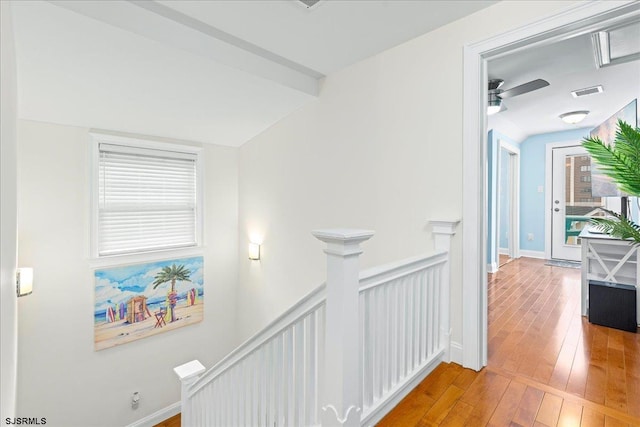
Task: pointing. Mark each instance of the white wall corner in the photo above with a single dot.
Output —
(456, 352)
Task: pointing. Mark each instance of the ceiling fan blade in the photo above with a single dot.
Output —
(524, 88)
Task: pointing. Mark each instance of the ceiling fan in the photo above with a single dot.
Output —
(496, 95)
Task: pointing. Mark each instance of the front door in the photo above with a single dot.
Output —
(572, 203)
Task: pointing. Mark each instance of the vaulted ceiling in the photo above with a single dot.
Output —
(210, 71)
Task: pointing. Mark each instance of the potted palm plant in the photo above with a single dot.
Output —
(621, 162)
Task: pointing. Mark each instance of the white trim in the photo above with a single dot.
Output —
(548, 190)
(533, 254)
(456, 352)
(503, 251)
(575, 19)
(95, 139)
(492, 267)
(513, 250)
(142, 257)
(158, 416)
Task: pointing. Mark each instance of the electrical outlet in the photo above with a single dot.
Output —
(135, 400)
(530, 236)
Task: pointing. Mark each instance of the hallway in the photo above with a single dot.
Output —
(547, 365)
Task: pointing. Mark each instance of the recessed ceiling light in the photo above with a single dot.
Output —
(574, 117)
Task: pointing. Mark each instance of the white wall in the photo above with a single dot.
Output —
(8, 216)
(60, 376)
(381, 148)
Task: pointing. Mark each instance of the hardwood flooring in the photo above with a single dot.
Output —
(548, 366)
(170, 422)
(503, 259)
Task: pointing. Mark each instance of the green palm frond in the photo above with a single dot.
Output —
(621, 161)
(619, 227)
(168, 274)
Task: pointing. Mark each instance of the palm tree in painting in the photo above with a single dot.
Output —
(172, 274)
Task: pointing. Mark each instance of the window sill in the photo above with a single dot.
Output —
(144, 257)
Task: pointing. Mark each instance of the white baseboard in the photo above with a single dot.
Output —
(492, 268)
(503, 251)
(158, 416)
(455, 352)
(532, 254)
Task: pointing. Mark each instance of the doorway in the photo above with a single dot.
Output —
(508, 194)
(576, 19)
(571, 201)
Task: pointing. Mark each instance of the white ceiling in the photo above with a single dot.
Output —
(210, 71)
(567, 65)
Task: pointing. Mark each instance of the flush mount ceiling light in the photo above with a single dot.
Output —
(574, 117)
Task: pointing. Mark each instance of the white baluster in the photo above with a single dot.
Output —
(443, 232)
(341, 393)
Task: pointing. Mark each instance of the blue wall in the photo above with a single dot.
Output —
(532, 175)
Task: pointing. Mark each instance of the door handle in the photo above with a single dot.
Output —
(557, 209)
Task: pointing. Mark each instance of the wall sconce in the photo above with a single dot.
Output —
(24, 281)
(254, 251)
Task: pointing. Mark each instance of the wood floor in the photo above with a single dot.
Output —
(170, 422)
(503, 259)
(547, 365)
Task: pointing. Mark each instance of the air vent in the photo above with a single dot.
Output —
(309, 3)
(586, 91)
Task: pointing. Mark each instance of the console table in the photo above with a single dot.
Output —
(608, 259)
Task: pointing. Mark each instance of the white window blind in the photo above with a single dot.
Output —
(147, 199)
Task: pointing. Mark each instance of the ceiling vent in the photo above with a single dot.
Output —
(587, 91)
(309, 3)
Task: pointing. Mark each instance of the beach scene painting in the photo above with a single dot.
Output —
(137, 301)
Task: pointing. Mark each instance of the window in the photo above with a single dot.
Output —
(585, 168)
(146, 197)
(585, 178)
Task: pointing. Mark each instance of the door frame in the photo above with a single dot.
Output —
(575, 19)
(514, 199)
(548, 190)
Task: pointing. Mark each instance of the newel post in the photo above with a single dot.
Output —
(188, 374)
(443, 232)
(340, 396)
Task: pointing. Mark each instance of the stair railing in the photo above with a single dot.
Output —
(344, 355)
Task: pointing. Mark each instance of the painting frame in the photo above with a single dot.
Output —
(141, 300)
